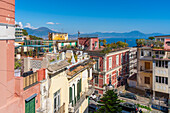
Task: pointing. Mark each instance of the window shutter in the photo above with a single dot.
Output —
(70, 94)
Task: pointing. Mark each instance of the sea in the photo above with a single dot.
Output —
(131, 41)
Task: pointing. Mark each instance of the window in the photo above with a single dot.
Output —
(166, 80)
(163, 80)
(117, 60)
(96, 79)
(141, 52)
(95, 43)
(110, 78)
(159, 63)
(147, 80)
(117, 74)
(110, 62)
(166, 64)
(126, 56)
(121, 58)
(97, 64)
(168, 43)
(70, 95)
(56, 101)
(62, 44)
(156, 78)
(159, 79)
(156, 63)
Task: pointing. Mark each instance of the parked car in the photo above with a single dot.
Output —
(128, 95)
(130, 107)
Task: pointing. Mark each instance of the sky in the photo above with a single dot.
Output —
(87, 16)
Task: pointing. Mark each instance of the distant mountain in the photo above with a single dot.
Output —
(40, 32)
(43, 33)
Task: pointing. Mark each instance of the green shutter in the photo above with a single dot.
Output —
(70, 43)
(70, 99)
(80, 85)
(30, 106)
(62, 44)
(78, 88)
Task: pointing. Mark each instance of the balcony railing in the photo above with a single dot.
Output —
(76, 103)
(146, 70)
(61, 109)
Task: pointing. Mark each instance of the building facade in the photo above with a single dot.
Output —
(58, 36)
(144, 68)
(161, 69)
(9, 102)
(88, 43)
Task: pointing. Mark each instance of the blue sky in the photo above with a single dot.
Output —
(88, 16)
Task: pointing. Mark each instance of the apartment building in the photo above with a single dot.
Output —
(19, 32)
(132, 61)
(153, 70)
(145, 68)
(161, 68)
(9, 101)
(113, 65)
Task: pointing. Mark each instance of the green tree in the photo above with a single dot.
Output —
(104, 42)
(151, 38)
(25, 33)
(17, 64)
(35, 38)
(109, 103)
(100, 43)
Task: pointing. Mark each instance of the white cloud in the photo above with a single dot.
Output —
(20, 24)
(51, 23)
(57, 23)
(28, 25)
(54, 30)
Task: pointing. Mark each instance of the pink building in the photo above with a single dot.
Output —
(89, 43)
(112, 66)
(9, 100)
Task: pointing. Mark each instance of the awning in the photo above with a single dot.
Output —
(31, 97)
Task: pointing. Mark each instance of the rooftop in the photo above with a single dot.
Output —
(79, 67)
(57, 66)
(133, 77)
(89, 36)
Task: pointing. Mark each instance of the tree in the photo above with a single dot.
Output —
(35, 38)
(109, 103)
(151, 38)
(25, 33)
(100, 43)
(104, 42)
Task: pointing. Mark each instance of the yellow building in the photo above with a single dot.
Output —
(58, 36)
(79, 87)
(58, 87)
(145, 68)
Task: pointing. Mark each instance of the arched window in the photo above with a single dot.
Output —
(70, 95)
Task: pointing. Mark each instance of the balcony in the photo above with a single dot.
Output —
(77, 102)
(30, 79)
(61, 109)
(146, 70)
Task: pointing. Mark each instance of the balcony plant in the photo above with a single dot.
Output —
(153, 56)
(161, 57)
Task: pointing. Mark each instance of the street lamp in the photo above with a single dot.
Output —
(109, 86)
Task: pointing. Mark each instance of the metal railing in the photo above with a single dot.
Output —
(76, 103)
(61, 109)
